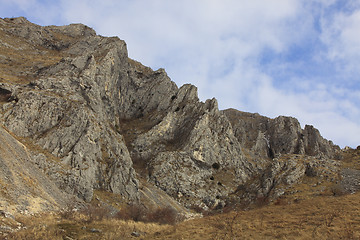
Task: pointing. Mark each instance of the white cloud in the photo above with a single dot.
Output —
(184, 24)
(218, 45)
(340, 33)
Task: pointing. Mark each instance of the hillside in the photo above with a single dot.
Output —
(321, 217)
(82, 124)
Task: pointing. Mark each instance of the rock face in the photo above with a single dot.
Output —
(114, 123)
(70, 109)
(267, 137)
(23, 185)
(282, 173)
(200, 152)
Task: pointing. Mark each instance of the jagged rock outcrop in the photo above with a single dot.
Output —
(267, 137)
(70, 108)
(117, 125)
(78, 107)
(188, 147)
(283, 172)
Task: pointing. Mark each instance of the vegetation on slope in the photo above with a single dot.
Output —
(324, 217)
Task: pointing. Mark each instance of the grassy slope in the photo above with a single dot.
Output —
(319, 218)
(17, 63)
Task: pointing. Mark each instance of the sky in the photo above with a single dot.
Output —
(297, 58)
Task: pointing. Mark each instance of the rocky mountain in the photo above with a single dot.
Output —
(78, 115)
(268, 137)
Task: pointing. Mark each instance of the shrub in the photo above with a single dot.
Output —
(339, 190)
(94, 213)
(166, 215)
(281, 202)
(134, 212)
(261, 201)
(138, 213)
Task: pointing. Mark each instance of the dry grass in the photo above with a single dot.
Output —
(317, 218)
(115, 200)
(87, 224)
(20, 60)
(351, 159)
(141, 69)
(17, 63)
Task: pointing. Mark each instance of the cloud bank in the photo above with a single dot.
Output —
(281, 57)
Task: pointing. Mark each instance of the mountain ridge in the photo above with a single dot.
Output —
(116, 125)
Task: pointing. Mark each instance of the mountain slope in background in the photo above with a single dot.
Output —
(82, 117)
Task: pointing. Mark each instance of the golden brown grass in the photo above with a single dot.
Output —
(318, 218)
(78, 226)
(351, 159)
(20, 59)
(323, 217)
(141, 69)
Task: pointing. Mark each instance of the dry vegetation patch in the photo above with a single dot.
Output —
(318, 218)
(351, 158)
(89, 223)
(18, 59)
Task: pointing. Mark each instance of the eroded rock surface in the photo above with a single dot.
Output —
(24, 187)
(267, 137)
(75, 96)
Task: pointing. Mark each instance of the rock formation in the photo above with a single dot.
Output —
(269, 137)
(116, 125)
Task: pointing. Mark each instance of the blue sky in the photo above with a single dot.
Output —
(296, 58)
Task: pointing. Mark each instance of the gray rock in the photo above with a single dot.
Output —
(24, 184)
(95, 230)
(350, 180)
(284, 172)
(107, 120)
(135, 234)
(267, 137)
(196, 157)
(74, 110)
(6, 214)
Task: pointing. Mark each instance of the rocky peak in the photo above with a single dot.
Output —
(269, 137)
(119, 126)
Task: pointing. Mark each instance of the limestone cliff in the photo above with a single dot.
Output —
(267, 137)
(116, 125)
